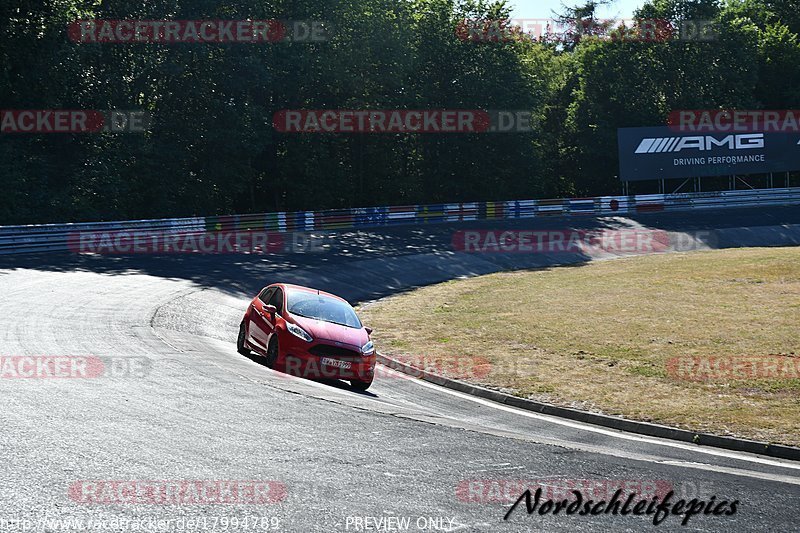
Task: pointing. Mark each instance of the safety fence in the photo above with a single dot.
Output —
(57, 237)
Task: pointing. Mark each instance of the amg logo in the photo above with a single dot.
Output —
(700, 142)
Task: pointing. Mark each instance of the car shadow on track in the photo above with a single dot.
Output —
(334, 383)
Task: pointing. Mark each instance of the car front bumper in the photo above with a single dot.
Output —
(299, 360)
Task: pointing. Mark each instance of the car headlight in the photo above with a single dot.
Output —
(368, 349)
(297, 331)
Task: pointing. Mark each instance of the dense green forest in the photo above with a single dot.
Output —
(211, 147)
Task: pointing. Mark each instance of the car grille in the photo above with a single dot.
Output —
(326, 350)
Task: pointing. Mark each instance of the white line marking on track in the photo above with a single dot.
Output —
(612, 433)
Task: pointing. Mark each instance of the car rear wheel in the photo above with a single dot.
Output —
(360, 385)
(272, 352)
(240, 347)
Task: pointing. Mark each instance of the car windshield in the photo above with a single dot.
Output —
(321, 307)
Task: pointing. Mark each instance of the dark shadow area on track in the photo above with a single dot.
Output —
(372, 263)
(334, 383)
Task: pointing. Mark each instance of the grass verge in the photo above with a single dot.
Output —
(706, 341)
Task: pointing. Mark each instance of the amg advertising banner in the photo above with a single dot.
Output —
(661, 152)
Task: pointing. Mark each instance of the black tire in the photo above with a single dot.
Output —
(240, 347)
(360, 386)
(272, 352)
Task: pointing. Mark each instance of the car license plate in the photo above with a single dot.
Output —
(337, 363)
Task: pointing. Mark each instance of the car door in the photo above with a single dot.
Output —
(260, 327)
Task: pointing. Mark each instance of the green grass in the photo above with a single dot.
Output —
(599, 335)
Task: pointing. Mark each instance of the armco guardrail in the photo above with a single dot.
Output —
(55, 237)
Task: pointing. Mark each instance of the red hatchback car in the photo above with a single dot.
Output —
(308, 333)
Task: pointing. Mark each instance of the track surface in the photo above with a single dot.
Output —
(203, 412)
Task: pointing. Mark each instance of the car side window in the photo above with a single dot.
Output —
(277, 300)
(266, 294)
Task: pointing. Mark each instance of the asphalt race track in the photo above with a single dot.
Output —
(201, 411)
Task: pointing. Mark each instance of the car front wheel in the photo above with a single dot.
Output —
(272, 352)
(240, 347)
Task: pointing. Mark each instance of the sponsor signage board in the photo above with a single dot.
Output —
(661, 152)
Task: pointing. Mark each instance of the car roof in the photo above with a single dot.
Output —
(307, 289)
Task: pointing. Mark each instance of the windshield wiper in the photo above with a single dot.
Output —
(338, 323)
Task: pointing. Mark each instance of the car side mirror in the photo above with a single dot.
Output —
(271, 309)
(368, 330)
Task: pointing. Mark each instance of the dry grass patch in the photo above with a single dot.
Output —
(600, 336)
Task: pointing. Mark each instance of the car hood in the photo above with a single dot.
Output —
(332, 332)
